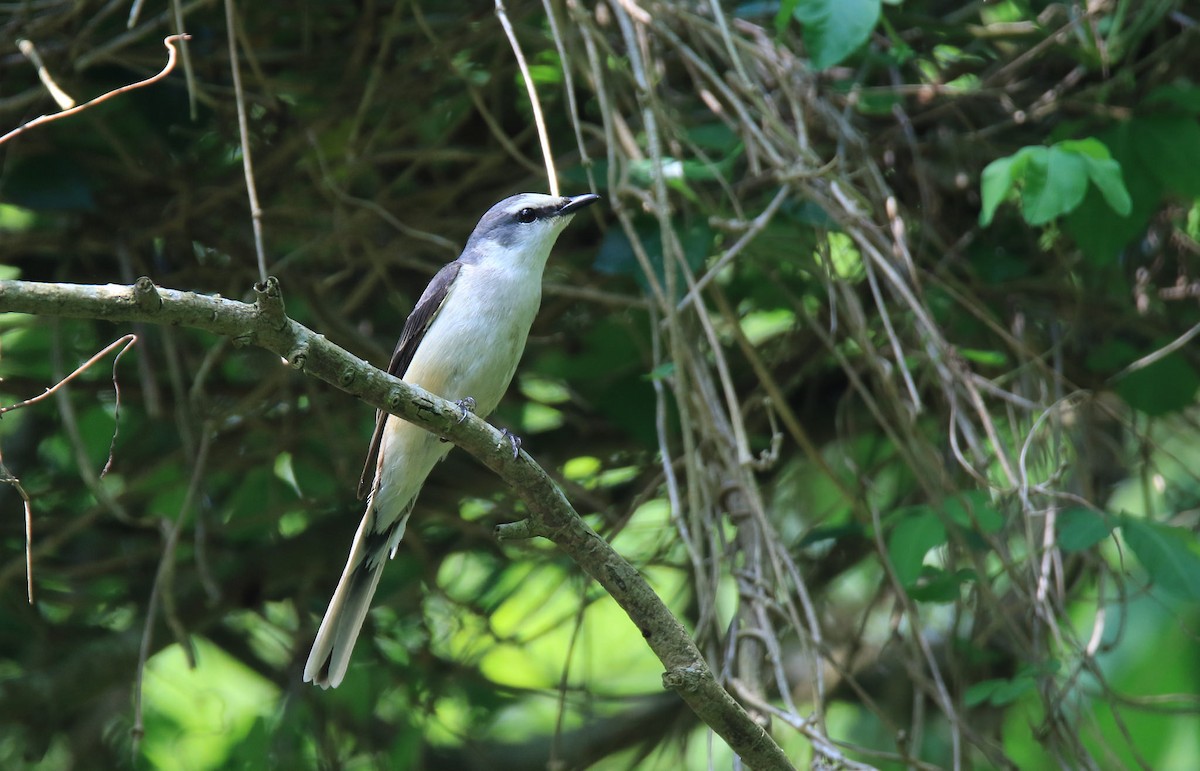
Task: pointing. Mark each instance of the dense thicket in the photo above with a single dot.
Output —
(876, 360)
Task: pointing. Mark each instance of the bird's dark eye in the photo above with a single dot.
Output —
(526, 215)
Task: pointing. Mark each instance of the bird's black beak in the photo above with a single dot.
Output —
(576, 202)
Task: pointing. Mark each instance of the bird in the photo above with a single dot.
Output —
(462, 341)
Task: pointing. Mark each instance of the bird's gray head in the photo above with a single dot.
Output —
(525, 225)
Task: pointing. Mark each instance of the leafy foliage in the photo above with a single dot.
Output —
(915, 466)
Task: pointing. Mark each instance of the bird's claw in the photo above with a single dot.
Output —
(467, 405)
(513, 439)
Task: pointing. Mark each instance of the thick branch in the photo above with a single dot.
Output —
(265, 324)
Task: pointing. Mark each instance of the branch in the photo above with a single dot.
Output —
(169, 41)
(265, 324)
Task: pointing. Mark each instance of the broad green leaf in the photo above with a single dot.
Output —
(834, 29)
(973, 511)
(1010, 690)
(981, 692)
(1101, 234)
(910, 541)
(1080, 529)
(1166, 554)
(1106, 176)
(1104, 172)
(1003, 174)
(1053, 181)
(1090, 146)
(1165, 386)
(994, 187)
(1185, 98)
(1053, 189)
(1170, 148)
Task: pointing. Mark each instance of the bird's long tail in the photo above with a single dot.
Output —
(347, 610)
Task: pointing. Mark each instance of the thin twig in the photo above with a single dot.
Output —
(1158, 355)
(8, 477)
(123, 342)
(569, 87)
(189, 72)
(61, 98)
(169, 41)
(244, 134)
(543, 136)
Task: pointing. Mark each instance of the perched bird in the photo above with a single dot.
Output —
(462, 341)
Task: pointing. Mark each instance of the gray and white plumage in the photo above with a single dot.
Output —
(462, 340)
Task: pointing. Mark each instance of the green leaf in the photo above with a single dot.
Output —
(1183, 98)
(981, 692)
(1106, 176)
(910, 541)
(1165, 386)
(1080, 529)
(1055, 188)
(1009, 691)
(973, 511)
(1100, 234)
(1170, 148)
(786, 11)
(616, 255)
(1089, 146)
(285, 473)
(994, 187)
(936, 585)
(662, 371)
(1053, 181)
(1166, 554)
(986, 358)
(1004, 174)
(834, 29)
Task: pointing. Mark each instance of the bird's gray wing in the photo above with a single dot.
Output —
(418, 323)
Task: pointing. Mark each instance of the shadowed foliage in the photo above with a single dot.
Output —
(876, 359)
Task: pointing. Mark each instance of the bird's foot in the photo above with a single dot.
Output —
(513, 439)
(467, 405)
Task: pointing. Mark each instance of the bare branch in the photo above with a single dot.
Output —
(168, 41)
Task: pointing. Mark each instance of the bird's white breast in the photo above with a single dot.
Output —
(475, 343)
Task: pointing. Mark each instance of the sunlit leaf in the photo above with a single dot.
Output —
(285, 473)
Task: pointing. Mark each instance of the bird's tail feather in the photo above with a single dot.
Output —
(347, 610)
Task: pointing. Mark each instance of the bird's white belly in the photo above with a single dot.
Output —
(471, 350)
(475, 343)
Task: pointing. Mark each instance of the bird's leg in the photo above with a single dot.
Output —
(513, 439)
